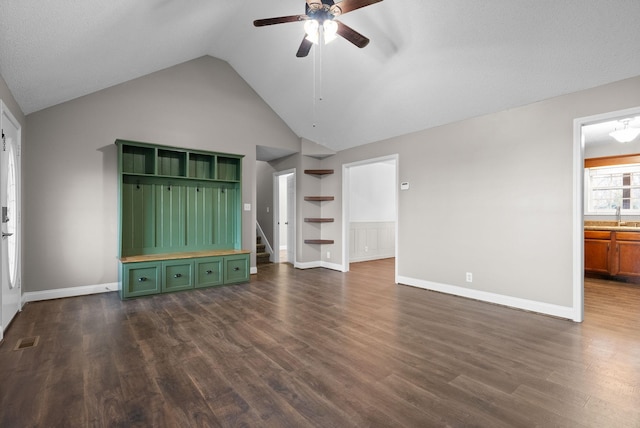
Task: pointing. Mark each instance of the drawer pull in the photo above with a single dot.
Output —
(236, 268)
(209, 272)
(142, 279)
(178, 275)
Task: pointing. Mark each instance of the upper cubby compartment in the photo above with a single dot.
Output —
(172, 163)
(228, 168)
(201, 166)
(138, 160)
(163, 161)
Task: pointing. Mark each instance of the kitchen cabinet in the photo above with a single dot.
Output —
(596, 251)
(614, 253)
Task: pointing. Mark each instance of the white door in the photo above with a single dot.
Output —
(9, 216)
(291, 235)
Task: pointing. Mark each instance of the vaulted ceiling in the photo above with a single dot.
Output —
(430, 62)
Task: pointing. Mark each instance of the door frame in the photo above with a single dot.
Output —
(276, 215)
(6, 113)
(578, 202)
(345, 206)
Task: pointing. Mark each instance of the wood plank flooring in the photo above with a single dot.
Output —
(320, 348)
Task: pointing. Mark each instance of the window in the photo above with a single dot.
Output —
(613, 185)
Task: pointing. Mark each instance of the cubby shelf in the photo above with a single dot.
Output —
(318, 171)
(318, 198)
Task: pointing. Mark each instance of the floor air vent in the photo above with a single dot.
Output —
(27, 342)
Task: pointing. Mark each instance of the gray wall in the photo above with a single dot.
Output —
(70, 212)
(264, 198)
(7, 97)
(490, 195)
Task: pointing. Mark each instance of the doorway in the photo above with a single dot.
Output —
(284, 216)
(9, 217)
(580, 126)
(370, 187)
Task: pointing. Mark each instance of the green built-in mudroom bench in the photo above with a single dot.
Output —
(163, 273)
(180, 219)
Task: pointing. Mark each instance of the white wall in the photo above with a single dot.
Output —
(372, 211)
(372, 192)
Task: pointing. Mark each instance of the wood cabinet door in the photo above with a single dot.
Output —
(596, 255)
(628, 258)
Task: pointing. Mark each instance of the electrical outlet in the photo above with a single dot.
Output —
(366, 249)
(469, 277)
(328, 254)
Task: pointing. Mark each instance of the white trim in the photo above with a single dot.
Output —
(307, 265)
(319, 264)
(253, 270)
(60, 293)
(345, 207)
(578, 203)
(499, 299)
(276, 214)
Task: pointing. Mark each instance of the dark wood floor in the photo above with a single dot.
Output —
(321, 348)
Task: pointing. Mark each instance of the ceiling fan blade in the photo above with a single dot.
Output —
(346, 6)
(279, 20)
(351, 35)
(304, 48)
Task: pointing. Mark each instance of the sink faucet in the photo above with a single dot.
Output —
(618, 215)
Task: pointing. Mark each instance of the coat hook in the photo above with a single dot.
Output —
(138, 185)
(198, 188)
(169, 187)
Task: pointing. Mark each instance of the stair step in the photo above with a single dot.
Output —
(260, 248)
(258, 239)
(262, 258)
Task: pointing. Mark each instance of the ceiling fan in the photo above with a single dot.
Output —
(322, 14)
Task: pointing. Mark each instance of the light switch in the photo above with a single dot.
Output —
(404, 185)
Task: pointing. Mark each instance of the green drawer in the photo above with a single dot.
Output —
(209, 271)
(140, 279)
(177, 275)
(236, 268)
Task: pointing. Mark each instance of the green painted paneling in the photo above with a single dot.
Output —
(170, 214)
(174, 200)
(137, 216)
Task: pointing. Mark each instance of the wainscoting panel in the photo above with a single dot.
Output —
(371, 240)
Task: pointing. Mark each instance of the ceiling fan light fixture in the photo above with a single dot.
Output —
(330, 29)
(626, 134)
(311, 28)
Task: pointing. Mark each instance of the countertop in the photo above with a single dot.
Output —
(627, 226)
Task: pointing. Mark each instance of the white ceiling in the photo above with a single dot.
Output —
(430, 62)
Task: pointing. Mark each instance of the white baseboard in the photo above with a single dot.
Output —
(253, 270)
(514, 302)
(35, 296)
(307, 265)
(319, 263)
